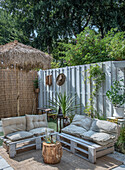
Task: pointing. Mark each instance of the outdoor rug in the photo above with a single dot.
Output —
(32, 160)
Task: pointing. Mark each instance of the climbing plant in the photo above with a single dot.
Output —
(98, 76)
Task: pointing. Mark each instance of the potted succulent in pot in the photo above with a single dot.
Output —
(36, 85)
(117, 97)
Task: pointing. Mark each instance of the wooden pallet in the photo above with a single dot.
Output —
(85, 149)
(27, 144)
(23, 145)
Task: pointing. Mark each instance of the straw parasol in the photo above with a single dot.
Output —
(15, 54)
(19, 56)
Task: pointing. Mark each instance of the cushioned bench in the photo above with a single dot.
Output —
(85, 134)
(23, 129)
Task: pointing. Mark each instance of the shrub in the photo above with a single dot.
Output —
(89, 47)
(120, 144)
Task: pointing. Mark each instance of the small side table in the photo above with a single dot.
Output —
(52, 153)
(44, 110)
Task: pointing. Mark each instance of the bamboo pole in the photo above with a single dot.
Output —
(17, 81)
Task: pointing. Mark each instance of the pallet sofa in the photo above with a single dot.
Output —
(24, 133)
(89, 138)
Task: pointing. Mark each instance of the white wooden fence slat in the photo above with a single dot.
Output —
(83, 88)
(45, 95)
(100, 97)
(40, 79)
(78, 88)
(108, 87)
(88, 89)
(48, 91)
(54, 83)
(51, 87)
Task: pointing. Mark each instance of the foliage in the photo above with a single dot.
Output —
(65, 102)
(9, 29)
(36, 83)
(55, 64)
(120, 144)
(116, 47)
(117, 94)
(1, 142)
(58, 55)
(45, 22)
(98, 76)
(89, 47)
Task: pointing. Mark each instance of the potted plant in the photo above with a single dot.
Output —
(67, 104)
(36, 85)
(117, 97)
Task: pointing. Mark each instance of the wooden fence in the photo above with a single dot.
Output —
(17, 96)
(76, 84)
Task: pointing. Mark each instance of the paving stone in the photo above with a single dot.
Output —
(121, 167)
(3, 164)
(9, 168)
(118, 156)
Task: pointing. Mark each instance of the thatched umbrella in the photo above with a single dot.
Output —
(20, 56)
(15, 54)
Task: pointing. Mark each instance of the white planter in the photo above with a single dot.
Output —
(118, 112)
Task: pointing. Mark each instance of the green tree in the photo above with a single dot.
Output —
(9, 29)
(89, 47)
(45, 22)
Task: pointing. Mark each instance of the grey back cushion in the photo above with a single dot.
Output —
(104, 126)
(36, 121)
(82, 121)
(13, 124)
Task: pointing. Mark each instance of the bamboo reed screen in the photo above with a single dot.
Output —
(16, 90)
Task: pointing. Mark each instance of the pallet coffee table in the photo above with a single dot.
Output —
(52, 153)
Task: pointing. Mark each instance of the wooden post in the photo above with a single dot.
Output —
(18, 95)
(72, 146)
(12, 150)
(38, 143)
(92, 154)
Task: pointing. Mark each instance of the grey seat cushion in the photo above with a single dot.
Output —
(82, 121)
(104, 126)
(20, 135)
(74, 130)
(99, 137)
(40, 131)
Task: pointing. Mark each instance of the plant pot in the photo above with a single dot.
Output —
(118, 112)
(37, 90)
